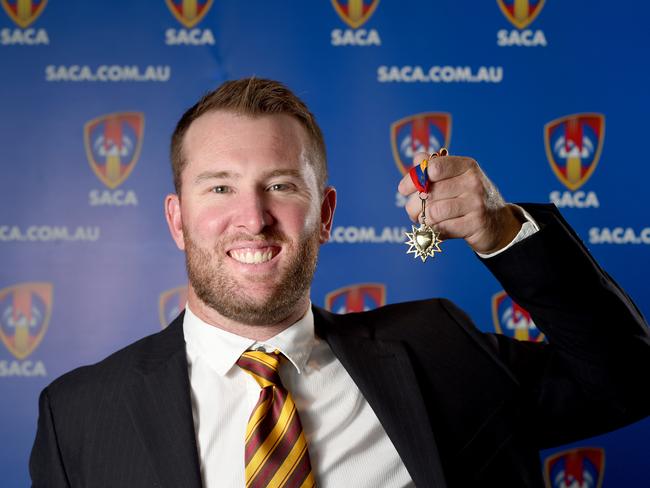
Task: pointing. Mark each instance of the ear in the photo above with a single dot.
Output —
(174, 219)
(327, 213)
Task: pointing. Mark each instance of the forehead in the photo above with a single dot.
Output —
(221, 136)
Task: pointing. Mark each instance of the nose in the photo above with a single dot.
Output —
(251, 213)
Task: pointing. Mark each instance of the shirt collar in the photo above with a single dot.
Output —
(222, 349)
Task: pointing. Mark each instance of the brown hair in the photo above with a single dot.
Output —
(252, 97)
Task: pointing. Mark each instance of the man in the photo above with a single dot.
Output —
(409, 394)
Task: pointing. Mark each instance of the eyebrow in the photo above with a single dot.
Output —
(285, 172)
(208, 175)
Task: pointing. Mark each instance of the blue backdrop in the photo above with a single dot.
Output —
(550, 97)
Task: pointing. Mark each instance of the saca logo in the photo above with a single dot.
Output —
(189, 13)
(25, 311)
(23, 13)
(113, 143)
(521, 13)
(355, 13)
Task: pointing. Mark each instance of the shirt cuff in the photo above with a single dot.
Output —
(528, 228)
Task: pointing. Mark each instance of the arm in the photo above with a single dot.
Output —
(590, 377)
(46, 464)
(586, 380)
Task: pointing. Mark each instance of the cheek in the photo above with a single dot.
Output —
(205, 223)
(300, 220)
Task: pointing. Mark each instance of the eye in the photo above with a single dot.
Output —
(280, 187)
(220, 189)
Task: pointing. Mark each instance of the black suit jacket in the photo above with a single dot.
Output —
(462, 408)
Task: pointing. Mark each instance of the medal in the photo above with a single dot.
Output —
(423, 241)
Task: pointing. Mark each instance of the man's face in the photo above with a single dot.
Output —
(251, 217)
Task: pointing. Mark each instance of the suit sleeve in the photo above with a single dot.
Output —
(591, 376)
(46, 463)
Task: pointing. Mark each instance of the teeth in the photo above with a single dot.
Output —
(249, 257)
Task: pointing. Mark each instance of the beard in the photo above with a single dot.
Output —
(220, 290)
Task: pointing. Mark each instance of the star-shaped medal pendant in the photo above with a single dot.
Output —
(424, 242)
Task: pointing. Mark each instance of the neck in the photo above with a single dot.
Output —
(256, 332)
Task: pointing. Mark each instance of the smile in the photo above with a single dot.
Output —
(253, 256)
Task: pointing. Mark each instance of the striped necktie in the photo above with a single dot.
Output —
(276, 451)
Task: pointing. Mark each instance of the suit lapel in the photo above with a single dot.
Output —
(160, 406)
(383, 372)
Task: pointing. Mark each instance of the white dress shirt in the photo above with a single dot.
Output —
(347, 444)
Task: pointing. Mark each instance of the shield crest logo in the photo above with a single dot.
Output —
(583, 467)
(24, 12)
(170, 304)
(355, 13)
(425, 132)
(573, 146)
(513, 320)
(189, 12)
(356, 298)
(521, 13)
(25, 311)
(113, 143)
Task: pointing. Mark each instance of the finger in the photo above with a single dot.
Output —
(454, 228)
(447, 199)
(413, 207)
(439, 211)
(444, 167)
(406, 185)
(439, 169)
(450, 188)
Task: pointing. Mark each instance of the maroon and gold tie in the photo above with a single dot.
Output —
(275, 448)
